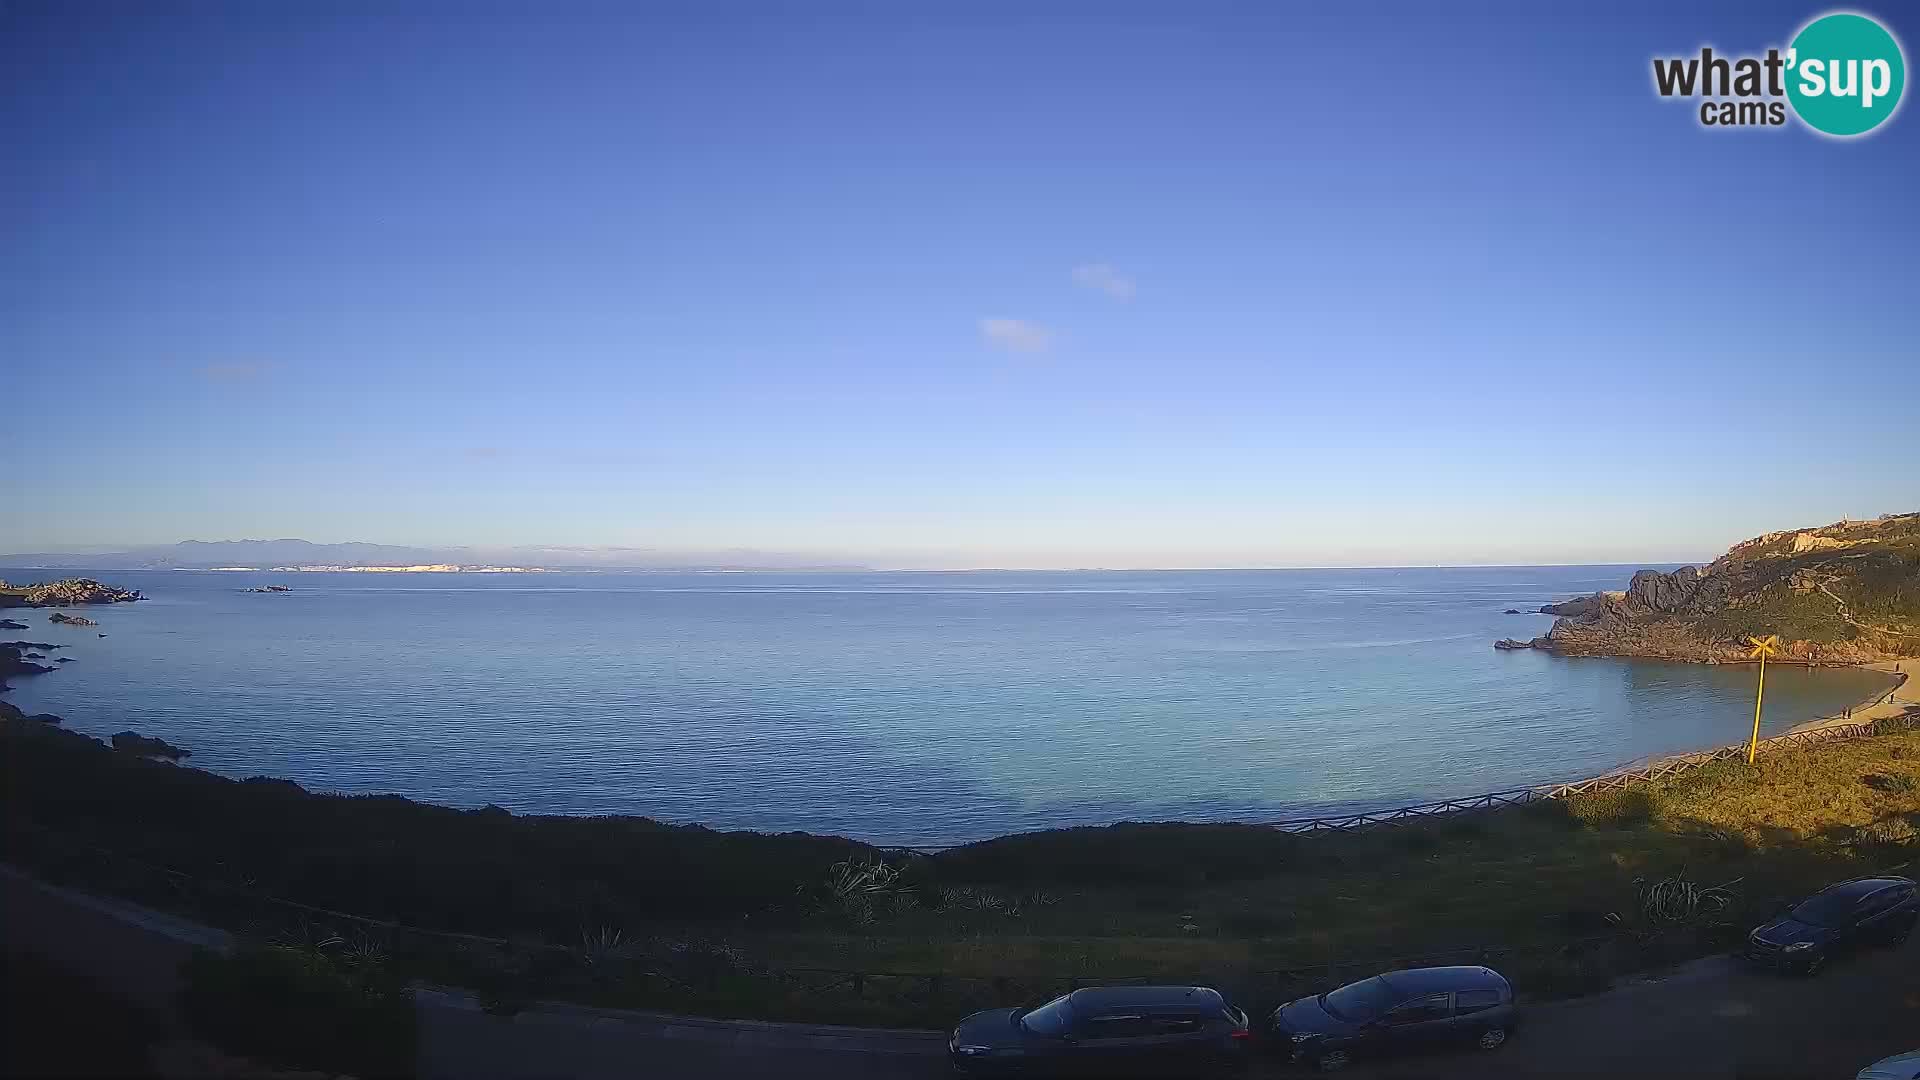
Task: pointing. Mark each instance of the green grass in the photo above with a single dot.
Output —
(1877, 575)
(302, 1007)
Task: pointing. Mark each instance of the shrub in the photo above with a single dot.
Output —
(391, 858)
(1414, 838)
(1893, 831)
(296, 1007)
(1721, 845)
(1129, 853)
(1890, 783)
(1622, 808)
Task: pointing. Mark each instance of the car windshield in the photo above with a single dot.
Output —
(1359, 1002)
(1826, 909)
(1053, 1018)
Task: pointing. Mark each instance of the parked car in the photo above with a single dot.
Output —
(1853, 914)
(1106, 1031)
(1398, 1012)
(1898, 1067)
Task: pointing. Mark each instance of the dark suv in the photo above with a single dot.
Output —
(1839, 918)
(1170, 1031)
(1401, 1011)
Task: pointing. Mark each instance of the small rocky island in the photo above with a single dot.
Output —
(69, 592)
(1847, 593)
(64, 619)
(270, 588)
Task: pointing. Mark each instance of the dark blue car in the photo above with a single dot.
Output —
(1398, 1012)
(1106, 1031)
(1840, 918)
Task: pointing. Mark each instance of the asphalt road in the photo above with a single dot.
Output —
(1713, 1020)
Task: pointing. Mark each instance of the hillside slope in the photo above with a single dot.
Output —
(1842, 593)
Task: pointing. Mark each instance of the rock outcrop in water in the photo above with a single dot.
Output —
(13, 659)
(65, 593)
(132, 742)
(1578, 607)
(61, 618)
(1842, 594)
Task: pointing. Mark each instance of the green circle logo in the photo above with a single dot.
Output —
(1845, 74)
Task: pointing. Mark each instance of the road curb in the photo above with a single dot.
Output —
(760, 1034)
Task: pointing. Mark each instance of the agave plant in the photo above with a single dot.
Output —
(1678, 901)
(601, 945)
(854, 877)
(362, 950)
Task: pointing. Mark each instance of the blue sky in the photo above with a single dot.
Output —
(941, 285)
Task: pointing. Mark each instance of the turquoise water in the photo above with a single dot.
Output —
(909, 707)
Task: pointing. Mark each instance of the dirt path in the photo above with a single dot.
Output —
(1848, 615)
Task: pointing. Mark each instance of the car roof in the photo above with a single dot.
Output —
(1094, 999)
(1859, 887)
(1434, 980)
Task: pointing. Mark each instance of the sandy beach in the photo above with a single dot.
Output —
(1889, 702)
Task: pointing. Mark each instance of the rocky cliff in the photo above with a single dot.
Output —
(1843, 593)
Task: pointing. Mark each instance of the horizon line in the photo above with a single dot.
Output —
(924, 569)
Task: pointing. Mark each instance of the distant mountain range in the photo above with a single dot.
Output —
(267, 554)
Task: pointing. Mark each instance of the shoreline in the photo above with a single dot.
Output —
(1878, 707)
(1881, 705)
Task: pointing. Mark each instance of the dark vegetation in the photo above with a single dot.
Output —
(632, 912)
(479, 871)
(304, 1008)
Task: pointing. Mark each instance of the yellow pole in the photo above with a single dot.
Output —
(1753, 745)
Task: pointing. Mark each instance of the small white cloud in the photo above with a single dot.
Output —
(1016, 334)
(1104, 278)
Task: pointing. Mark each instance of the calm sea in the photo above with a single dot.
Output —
(899, 707)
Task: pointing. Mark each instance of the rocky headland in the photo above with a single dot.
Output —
(1846, 593)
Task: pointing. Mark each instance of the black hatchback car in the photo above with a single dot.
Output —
(1837, 919)
(1398, 1012)
(1106, 1031)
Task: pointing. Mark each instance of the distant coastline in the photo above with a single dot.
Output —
(430, 568)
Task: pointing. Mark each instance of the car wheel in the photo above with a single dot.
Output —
(1900, 936)
(1493, 1038)
(1333, 1059)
